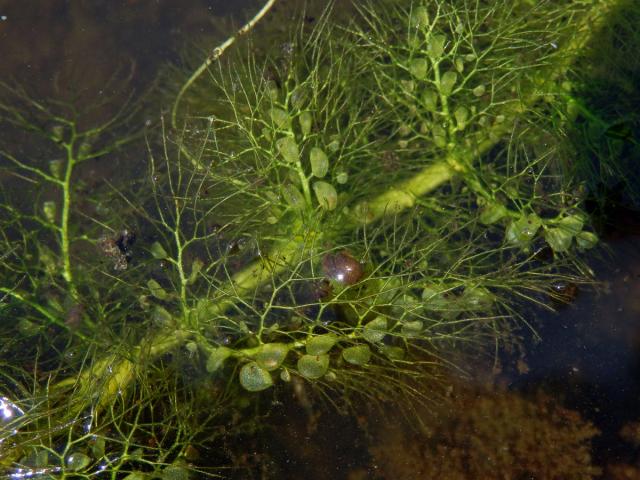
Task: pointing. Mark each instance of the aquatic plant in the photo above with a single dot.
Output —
(598, 115)
(345, 209)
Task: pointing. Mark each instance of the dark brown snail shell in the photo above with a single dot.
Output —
(342, 268)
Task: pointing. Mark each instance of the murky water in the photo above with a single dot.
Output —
(587, 357)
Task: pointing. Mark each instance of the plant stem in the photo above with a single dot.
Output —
(215, 54)
(54, 319)
(179, 263)
(66, 207)
(392, 202)
(304, 180)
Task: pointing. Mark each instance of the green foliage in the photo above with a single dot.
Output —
(254, 378)
(409, 142)
(600, 116)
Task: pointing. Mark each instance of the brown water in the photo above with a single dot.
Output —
(589, 354)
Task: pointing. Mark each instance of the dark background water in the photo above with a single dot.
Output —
(83, 41)
(589, 354)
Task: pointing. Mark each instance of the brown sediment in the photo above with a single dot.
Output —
(487, 434)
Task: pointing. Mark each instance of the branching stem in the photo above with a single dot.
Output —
(395, 200)
(66, 207)
(215, 55)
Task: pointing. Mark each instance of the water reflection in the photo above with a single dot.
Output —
(10, 414)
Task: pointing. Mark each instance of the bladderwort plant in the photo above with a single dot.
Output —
(51, 173)
(346, 210)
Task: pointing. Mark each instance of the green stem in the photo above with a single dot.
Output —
(304, 180)
(111, 374)
(65, 242)
(283, 253)
(391, 202)
(180, 266)
(217, 52)
(403, 196)
(53, 319)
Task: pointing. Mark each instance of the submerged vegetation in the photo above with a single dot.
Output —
(344, 211)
